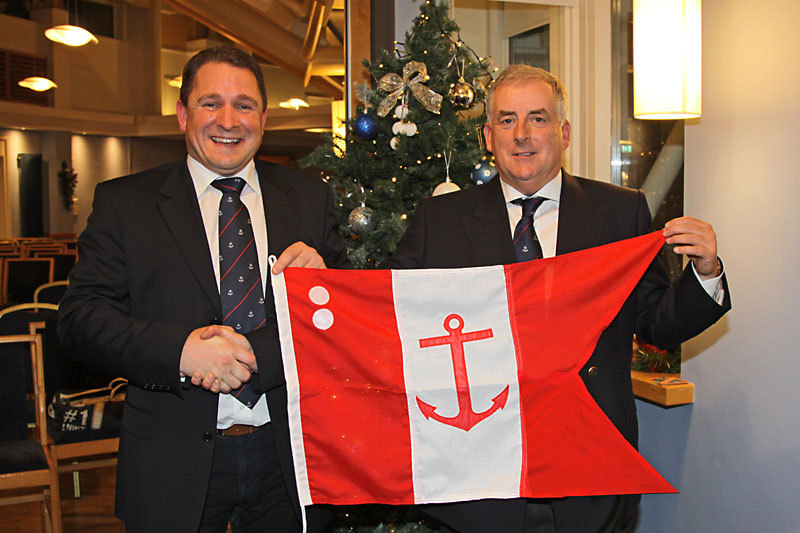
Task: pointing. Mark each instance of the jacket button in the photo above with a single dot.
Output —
(207, 437)
(592, 371)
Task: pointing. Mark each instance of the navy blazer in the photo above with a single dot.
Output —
(143, 282)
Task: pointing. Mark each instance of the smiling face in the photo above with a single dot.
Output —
(526, 134)
(223, 118)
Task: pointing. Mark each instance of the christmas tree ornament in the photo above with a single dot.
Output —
(446, 186)
(393, 143)
(366, 127)
(396, 87)
(362, 220)
(484, 171)
(409, 129)
(401, 111)
(462, 95)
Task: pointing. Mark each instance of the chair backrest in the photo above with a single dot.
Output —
(22, 276)
(50, 293)
(15, 319)
(62, 262)
(33, 250)
(21, 355)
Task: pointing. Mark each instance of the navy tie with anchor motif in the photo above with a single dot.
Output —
(240, 288)
(526, 243)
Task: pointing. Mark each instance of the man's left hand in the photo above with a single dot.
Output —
(697, 240)
(298, 254)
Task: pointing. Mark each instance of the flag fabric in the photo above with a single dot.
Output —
(440, 385)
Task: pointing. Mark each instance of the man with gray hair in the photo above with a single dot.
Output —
(536, 209)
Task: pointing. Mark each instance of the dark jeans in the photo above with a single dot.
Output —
(247, 488)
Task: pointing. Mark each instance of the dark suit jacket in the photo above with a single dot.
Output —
(144, 281)
(471, 228)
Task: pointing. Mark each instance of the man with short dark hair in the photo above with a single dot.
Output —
(535, 209)
(172, 292)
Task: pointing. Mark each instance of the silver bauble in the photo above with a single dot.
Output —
(362, 220)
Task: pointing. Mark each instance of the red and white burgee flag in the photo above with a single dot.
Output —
(439, 385)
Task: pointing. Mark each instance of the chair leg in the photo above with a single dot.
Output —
(54, 501)
(46, 522)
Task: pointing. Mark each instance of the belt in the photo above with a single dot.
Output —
(238, 429)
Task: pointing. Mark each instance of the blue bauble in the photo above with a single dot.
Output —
(366, 127)
(484, 171)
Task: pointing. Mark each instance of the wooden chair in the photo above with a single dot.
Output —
(21, 277)
(62, 262)
(50, 293)
(74, 451)
(26, 307)
(28, 471)
(32, 249)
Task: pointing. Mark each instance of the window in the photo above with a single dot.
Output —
(646, 154)
(96, 17)
(531, 47)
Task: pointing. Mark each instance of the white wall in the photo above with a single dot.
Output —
(735, 454)
(96, 159)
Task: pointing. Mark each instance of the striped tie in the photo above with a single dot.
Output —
(526, 243)
(240, 288)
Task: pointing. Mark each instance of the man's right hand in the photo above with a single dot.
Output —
(217, 358)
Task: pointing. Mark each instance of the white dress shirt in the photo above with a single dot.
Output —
(545, 222)
(230, 410)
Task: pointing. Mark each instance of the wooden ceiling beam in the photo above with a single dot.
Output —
(247, 26)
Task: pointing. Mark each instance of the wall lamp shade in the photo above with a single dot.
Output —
(70, 35)
(35, 83)
(667, 59)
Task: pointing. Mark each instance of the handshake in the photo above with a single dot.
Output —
(217, 359)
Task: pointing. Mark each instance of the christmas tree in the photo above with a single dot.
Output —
(418, 129)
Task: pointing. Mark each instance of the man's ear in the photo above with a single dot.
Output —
(566, 130)
(182, 113)
(487, 134)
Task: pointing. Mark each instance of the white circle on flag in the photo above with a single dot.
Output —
(322, 318)
(318, 295)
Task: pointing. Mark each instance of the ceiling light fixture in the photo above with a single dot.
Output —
(293, 103)
(36, 83)
(70, 35)
(174, 81)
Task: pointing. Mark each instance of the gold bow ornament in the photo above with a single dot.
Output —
(395, 86)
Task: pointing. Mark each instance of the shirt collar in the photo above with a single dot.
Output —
(202, 177)
(550, 191)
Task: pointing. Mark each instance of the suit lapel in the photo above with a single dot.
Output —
(581, 223)
(487, 227)
(178, 205)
